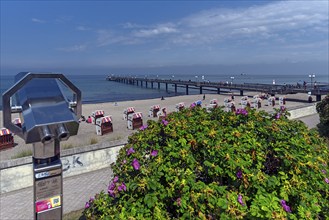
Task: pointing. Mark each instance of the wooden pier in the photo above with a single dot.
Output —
(220, 87)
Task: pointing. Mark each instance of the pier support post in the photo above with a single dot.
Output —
(158, 85)
(137, 82)
(146, 83)
(152, 85)
(218, 90)
(175, 88)
(241, 92)
(200, 89)
(166, 87)
(141, 83)
(318, 98)
(186, 89)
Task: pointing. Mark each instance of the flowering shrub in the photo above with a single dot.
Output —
(323, 109)
(218, 165)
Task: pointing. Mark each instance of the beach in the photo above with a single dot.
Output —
(87, 132)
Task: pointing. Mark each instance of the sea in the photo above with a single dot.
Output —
(96, 89)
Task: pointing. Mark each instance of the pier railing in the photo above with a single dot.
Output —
(318, 90)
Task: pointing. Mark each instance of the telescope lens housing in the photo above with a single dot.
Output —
(45, 135)
(62, 133)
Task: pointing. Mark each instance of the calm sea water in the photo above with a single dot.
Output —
(95, 89)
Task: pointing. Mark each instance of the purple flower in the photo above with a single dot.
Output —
(122, 187)
(87, 205)
(239, 174)
(277, 116)
(326, 180)
(130, 151)
(240, 199)
(241, 111)
(111, 186)
(142, 128)
(135, 164)
(116, 178)
(282, 108)
(323, 171)
(111, 193)
(124, 161)
(285, 206)
(192, 105)
(164, 122)
(91, 199)
(154, 153)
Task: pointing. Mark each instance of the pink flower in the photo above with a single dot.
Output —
(135, 164)
(111, 190)
(285, 206)
(192, 105)
(154, 153)
(112, 185)
(277, 116)
(323, 171)
(87, 205)
(130, 151)
(116, 178)
(142, 128)
(240, 199)
(164, 122)
(179, 201)
(326, 180)
(241, 111)
(124, 161)
(239, 174)
(122, 187)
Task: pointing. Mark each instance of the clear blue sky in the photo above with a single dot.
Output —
(87, 36)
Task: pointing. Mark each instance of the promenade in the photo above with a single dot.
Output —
(17, 205)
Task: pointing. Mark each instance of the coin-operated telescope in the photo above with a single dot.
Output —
(48, 116)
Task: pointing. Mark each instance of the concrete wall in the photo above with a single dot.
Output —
(17, 174)
(302, 112)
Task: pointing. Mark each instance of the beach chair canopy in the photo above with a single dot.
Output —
(4, 131)
(17, 121)
(181, 104)
(130, 109)
(106, 119)
(98, 112)
(213, 101)
(156, 106)
(137, 115)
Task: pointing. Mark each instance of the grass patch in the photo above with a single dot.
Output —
(24, 153)
(67, 146)
(116, 138)
(74, 215)
(93, 141)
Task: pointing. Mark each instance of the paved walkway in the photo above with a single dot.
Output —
(77, 190)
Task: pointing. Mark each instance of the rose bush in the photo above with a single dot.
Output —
(218, 165)
(323, 109)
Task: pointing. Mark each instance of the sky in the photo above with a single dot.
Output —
(98, 37)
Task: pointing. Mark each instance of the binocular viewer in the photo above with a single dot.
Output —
(46, 113)
(47, 117)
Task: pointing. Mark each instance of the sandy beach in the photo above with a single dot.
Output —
(87, 132)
